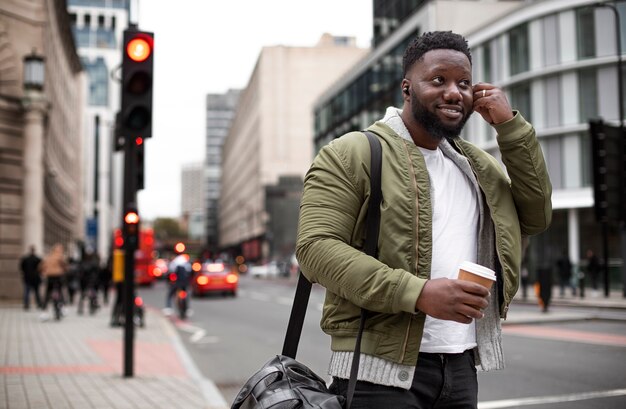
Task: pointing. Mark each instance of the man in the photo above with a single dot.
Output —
(444, 201)
(53, 269)
(29, 265)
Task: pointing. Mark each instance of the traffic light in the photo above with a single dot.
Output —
(131, 227)
(137, 78)
(139, 162)
(118, 239)
(608, 178)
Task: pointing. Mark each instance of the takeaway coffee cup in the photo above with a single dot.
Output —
(476, 273)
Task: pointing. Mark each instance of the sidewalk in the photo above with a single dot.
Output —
(568, 307)
(78, 363)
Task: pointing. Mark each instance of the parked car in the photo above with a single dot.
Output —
(270, 269)
(215, 277)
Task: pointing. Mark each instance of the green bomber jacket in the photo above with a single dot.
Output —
(331, 230)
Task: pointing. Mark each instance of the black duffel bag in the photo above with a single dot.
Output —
(284, 383)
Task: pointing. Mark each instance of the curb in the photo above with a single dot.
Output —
(211, 394)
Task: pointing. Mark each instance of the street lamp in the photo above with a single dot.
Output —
(34, 72)
(36, 109)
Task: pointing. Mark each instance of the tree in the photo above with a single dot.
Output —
(167, 228)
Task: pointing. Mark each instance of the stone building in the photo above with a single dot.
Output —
(42, 93)
(271, 135)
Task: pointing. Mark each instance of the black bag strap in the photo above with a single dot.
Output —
(303, 289)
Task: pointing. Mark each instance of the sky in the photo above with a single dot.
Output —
(211, 46)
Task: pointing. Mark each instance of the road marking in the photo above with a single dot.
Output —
(196, 336)
(539, 400)
(537, 331)
(188, 327)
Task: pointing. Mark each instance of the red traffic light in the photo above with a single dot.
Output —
(139, 48)
(137, 83)
(131, 218)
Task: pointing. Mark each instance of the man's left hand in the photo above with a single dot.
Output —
(491, 103)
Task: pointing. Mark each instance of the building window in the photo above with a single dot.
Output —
(588, 94)
(487, 62)
(621, 9)
(585, 160)
(98, 82)
(586, 32)
(520, 100)
(553, 153)
(390, 14)
(82, 36)
(551, 40)
(518, 49)
(105, 38)
(553, 101)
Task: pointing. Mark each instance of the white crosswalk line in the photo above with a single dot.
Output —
(539, 400)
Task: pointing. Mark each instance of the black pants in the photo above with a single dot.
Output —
(53, 283)
(34, 288)
(441, 381)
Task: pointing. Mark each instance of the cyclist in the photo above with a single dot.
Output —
(180, 266)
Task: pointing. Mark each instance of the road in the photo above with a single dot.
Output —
(576, 364)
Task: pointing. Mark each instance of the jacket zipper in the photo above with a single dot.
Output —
(414, 181)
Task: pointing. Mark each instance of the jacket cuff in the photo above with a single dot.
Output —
(410, 293)
(513, 129)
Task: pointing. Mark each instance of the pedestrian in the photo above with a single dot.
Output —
(31, 278)
(88, 279)
(105, 277)
(543, 288)
(53, 269)
(564, 272)
(593, 270)
(72, 278)
(445, 201)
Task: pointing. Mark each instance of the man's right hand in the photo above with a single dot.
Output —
(453, 300)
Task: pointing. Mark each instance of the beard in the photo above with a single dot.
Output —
(432, 124)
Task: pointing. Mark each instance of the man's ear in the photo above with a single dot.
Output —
(405, 86)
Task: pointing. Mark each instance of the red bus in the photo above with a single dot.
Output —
(144, 255)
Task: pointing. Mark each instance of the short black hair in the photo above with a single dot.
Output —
(433, 40)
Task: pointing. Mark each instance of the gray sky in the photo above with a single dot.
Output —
(210, 46)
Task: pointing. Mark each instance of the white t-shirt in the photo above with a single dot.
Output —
(455, 234)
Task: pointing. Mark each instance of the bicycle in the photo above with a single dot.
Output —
(182, 303)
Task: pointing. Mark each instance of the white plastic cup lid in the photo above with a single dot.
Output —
(478, 270)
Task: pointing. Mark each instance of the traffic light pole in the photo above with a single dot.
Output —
(622, 150)
(620, 91)
(130, 245)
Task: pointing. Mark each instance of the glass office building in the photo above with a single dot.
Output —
(557, 62)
